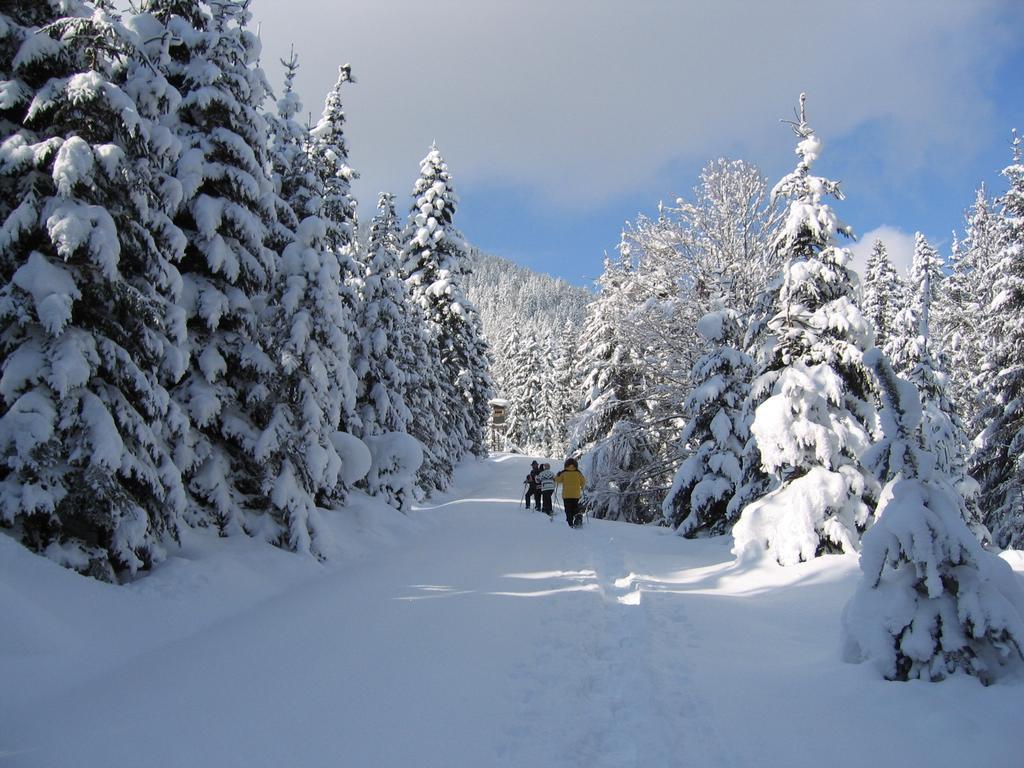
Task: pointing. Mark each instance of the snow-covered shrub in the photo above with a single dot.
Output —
(396, 458)
(355, 457)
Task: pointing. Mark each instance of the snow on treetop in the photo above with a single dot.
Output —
(809, 149)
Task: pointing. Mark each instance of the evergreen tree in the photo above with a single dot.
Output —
(436, 261)
(610, 430)
(386, 363)
(998, 462)
(818, 418)
(964, 299)
(86, 312)
(290, 169)
(941, 433)
(314, 381)
(526, 371)
(328, 153)
(924, 284)
(707, 480)
(884, 293)
(563, 391)
(383, 363)
(932, 601)
(550, 413)
(227, 267)
(334, 204)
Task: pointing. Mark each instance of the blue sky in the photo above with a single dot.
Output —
(562, 120)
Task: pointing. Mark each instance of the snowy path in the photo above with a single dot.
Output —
(483, 635)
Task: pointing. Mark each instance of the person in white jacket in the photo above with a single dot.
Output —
(547, 487)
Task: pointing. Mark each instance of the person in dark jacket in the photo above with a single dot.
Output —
(546, 478)
(533, 485)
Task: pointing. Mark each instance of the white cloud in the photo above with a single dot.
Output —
(898, 244)
(579, 101)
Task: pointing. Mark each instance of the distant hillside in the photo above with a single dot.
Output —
(531, 321)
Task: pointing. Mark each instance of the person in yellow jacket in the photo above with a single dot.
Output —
(572, 483)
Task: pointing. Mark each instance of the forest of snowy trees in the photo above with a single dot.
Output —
(192, 332)
(721, 311)
(738, 377)
(532, 323)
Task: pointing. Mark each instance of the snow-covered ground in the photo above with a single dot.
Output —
(471, 633)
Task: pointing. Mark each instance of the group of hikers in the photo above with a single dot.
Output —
(540, 487)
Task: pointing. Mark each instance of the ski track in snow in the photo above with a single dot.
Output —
(610, 705)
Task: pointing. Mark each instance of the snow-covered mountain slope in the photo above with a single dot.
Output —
(472, 633)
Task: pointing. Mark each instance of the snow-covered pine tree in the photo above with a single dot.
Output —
(436, 261)
(307, 464)
(884, 293)
(335, 205)
(965, 296)
(550, 413)
(818, 419)
(383, 364)
(508, 381)
(328, 152)
(697, 503)
(932, 602)
(227, 267)
(86, 311)
(526, 388)
(941, 432)
(562, 392)
(998, 461)
(924, 284)
(610, 431)
(290, 169)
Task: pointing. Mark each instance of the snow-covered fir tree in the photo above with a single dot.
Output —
(328, 153)
(290, 169)
(697, 503)
(87, 320)
(227, 267)
(382, 363)
(555, 403)
(932, 602)
(385, 364)
(328, 156)
(962, 303)
(924, 283)
(610, 431)
(998, 461)
(435, 262)
(527, 379)
(819, 416)
(941, 432)
(564, 387)
(884, 292)
(306, 462)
